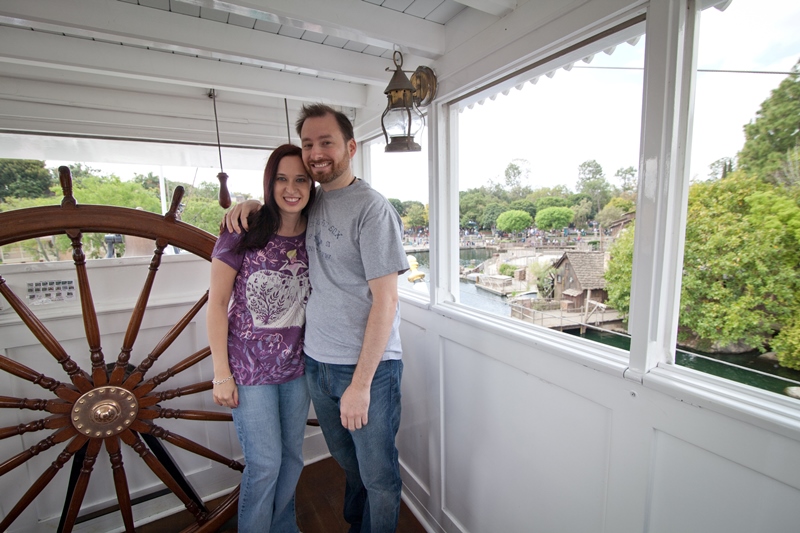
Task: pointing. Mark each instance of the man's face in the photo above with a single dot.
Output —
(326, 155)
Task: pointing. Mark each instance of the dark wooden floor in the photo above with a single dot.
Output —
(320, 494)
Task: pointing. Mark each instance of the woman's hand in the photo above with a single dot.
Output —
(236, 218)
(227, 394)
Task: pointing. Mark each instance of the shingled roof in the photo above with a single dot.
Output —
(589, 268)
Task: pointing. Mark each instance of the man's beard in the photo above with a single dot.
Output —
(336, 169)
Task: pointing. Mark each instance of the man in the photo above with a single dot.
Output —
(352, 343)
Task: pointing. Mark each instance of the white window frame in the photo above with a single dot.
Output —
(669, 79)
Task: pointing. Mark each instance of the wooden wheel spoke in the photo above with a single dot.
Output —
(133, 440)
(120, 482)
(45, 444)
(90, 325)
(51, 422)
(43, 480)
(172, 371)
(51, 406)
(78, 491)
(184, 414)
(46, 338)
(164, 343)
(152, 399)
(21, 371)
(186, 444)
(118, 374)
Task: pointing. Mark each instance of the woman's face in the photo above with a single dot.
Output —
(292, 186)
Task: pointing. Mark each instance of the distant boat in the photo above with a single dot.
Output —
(527, 295)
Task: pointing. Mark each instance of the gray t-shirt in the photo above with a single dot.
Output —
(354, 235)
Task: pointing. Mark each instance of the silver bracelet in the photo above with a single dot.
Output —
(221, 381)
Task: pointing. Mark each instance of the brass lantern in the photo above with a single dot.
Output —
(402, 119)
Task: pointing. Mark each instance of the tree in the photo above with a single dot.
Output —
(741, 258)
(204, 213)
(627, 178)
(618, 273)
(720, 168)
(554, 217)
(589, 171)
(774, 132)
(417, 216)
(551, 201)
(609, 214)
(471, 205)
(524, 205)
(514, 221)
(490, 214)
(398, 206)
(24, 178)
(583, 212)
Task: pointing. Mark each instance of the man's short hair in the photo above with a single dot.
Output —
(321, 110)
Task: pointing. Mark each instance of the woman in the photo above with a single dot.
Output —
(257, 344)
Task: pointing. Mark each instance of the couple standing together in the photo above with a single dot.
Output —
(332, 254)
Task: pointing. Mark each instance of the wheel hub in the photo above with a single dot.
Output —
(105, 411)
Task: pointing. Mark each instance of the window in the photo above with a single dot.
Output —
(403, 179)
(739, 314)
(547, 173)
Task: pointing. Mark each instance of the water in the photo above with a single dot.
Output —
(745, 368)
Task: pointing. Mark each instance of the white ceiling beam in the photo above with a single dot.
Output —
(79, 55)
(121, 22)
(499, 8)
(354, 20)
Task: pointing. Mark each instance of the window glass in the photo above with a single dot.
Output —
(547, 174)
(34, 182)
(740, 311)
(402, 177)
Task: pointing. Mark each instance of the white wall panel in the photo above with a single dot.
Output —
(513, 442)
(695, 490)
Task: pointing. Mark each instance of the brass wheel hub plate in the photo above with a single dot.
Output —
(105, 411)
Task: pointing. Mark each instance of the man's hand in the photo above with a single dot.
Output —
(236, 218)
(354, 407)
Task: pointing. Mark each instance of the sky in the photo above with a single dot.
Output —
(589, 112)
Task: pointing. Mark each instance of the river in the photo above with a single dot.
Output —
(747, 368)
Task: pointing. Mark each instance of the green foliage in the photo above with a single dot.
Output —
(551, 201)
(774, 132)
(626, 205)
(24, 178)
(416, 216)
(554, 217)
(627, 178)
(609, 214)
(398, 206)
(540, 272)
(583, 212)
(524, 205)
(618, 273)
(471, 205)
(205, 213)
(514, 221)
(490, 214)
(741, 258)
(507, 269)
(787, 343)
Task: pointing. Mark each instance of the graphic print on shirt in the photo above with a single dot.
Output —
(276, 299)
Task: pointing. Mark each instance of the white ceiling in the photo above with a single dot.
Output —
(142, 69)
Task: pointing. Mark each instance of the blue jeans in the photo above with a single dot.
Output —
(368, 455)
(270, 423)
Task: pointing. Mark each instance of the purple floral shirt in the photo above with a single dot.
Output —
(266, 318)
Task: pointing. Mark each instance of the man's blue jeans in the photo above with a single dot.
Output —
(367, 455)
(270, 423)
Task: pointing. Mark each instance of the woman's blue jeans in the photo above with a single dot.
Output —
(368, 455)
(270, 423)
